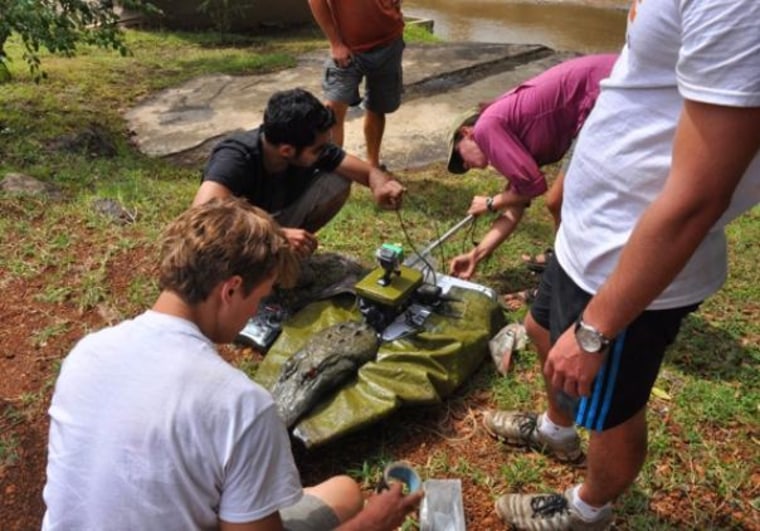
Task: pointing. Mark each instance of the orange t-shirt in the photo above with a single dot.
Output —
(366, 24)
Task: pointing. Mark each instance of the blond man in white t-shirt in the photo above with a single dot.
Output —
(151, 429)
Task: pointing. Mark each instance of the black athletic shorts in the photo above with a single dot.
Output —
(624, 382)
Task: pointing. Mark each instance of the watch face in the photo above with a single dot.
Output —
(588, 339)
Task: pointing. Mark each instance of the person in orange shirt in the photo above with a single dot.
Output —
(366, 43)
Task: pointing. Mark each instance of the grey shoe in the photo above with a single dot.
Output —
(547, 512)
(521, 429)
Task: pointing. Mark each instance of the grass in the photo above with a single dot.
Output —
(704, 437)
(9, 441)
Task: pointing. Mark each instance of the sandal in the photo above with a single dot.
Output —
(537, 263)
(516, 300)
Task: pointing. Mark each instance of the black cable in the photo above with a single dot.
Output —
(416, 252)
(427, 264)
(409, 240)
(470, 235)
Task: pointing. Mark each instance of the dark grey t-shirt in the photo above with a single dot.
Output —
(237, 162)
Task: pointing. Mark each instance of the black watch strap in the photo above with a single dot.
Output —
(489, 205)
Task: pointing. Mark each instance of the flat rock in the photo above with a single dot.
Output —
(440, 81)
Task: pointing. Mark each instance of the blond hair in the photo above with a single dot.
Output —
(217, 240)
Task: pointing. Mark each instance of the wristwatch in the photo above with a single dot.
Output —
(489, 205)
(590, 339)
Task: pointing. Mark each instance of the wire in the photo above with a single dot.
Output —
(427, 264)
(470, 235)
(416, 252)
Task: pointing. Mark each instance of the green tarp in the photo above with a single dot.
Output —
(422, 369)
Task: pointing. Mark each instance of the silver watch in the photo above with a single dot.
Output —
(590, 339)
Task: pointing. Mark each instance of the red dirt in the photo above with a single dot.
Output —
(447, 440)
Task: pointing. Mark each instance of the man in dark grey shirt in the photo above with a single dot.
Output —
(289, 167)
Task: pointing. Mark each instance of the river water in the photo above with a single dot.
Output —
(566, 26)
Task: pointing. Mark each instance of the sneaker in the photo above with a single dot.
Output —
(548, 512)
(521, 429)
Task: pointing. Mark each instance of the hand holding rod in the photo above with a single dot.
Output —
(412, 260)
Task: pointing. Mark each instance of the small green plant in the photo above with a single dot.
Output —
(369, 472)
(41, 337)
(464, 468)
(9, 445)
(53, 294)
(524, 471)
(419, 33)
(438, 465)
(9, 441)
(29, 399)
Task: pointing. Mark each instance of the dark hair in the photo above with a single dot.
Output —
(296, 117)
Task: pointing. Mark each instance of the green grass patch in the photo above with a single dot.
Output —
(10, 417)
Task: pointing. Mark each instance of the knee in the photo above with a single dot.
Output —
(350, 498)
(334, 205)
(342, 494)
(328, 207)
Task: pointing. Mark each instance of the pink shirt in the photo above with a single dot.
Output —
(535, 123)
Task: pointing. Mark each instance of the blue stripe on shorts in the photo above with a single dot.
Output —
(593, 410)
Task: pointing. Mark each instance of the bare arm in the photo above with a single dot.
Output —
(323, 15)
(712, 149)
(463, 266)
(387, 191)
(210, 190)
(303, 242)
(509, 198)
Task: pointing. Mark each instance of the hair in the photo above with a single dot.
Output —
(296, 117)
(217, 240)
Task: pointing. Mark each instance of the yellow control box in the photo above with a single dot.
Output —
(402, 284)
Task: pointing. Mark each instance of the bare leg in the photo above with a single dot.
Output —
(374, 127)
(339, 108)
(342, 494)
(540, 338)
(615, 458)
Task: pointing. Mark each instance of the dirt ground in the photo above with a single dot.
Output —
(447, 438)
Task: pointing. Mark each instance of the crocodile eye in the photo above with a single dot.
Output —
(313, 372)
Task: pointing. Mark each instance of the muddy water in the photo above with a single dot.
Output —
(587, 26)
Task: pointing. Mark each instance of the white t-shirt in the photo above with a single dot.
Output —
(703, 50)
(151, 429)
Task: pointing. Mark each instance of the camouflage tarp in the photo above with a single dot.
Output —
(422, 369)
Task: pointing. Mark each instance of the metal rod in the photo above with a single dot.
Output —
(417, 257)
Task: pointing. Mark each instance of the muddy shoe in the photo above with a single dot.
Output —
(547, 512)
(521, 429)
